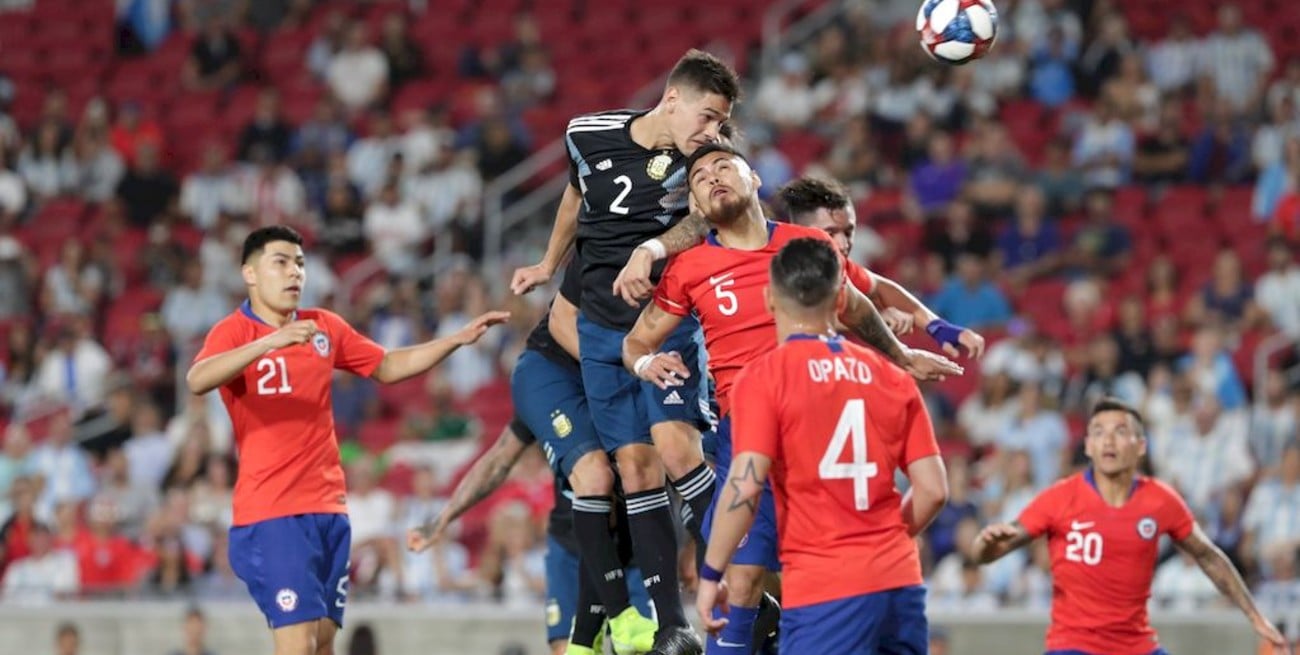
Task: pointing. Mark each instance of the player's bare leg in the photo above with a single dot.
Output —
(745, 586)
(679, 446)
(307, 638)
(592, 480)
(326, 629)
(654, 533)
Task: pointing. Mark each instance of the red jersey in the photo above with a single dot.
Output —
(1103, 559)
(836, 419)
(282, 415)
(724, 287)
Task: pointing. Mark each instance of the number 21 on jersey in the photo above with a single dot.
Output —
(850, 431)
(273, 376)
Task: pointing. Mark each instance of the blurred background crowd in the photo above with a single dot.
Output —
(1112, 197)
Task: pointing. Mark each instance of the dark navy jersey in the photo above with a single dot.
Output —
(540, 338)
(629, 194)
(560, 523)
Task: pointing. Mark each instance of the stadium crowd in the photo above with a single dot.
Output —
(1082, 196)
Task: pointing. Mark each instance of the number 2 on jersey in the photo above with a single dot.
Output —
(617, 206)
(851, 430)
(270, 370)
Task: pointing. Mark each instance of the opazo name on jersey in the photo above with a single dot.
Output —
(629, 194)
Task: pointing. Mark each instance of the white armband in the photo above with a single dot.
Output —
(656, 248)
(642, 362)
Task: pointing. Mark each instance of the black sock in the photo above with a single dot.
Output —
(696, 489)
(599, 553)
(588, 614)
(650, 520)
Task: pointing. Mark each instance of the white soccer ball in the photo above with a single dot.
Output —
(957, 31)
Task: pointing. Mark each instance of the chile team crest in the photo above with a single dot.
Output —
(1147, 528)
(321, 342)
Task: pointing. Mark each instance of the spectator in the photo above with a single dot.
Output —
(325, 133)
(1180, 585)
(73, 286)
(370, 156)
(44, 576)
(374, 550)
(1101, 246)
(1104, 57)
(970, 298)
(938, 181)
(40, 161)
(16, 532)
(1172, 62)
(1221, 153)
(195, 631)
(404, 57)
(133, 132)
(996, 170)
(1104, 148)
(147, 190)
(1030, 246)
(90, 168)
(63, 467)
(395, 231)
(1274, 420)
(67, 640)
(443, 573)
(358, 73)
(214, 61)
(75, 369)
(267, 128)
(1163, 156)
(1208, 455)
(1051, 76)
(271, 192)
(1038, 430)
(148, 451)
(1272, 517)
(1277, 291)
(513, 564)
(1104, 375)
(1227, 299)
(1238, 60)
(1059, 181)
(1210, 367)
(1269, 144)
(190, 309)
(1133, 336)
(208, 191)
(110, 564)
(786, 99)
(135, 503)
(499, 148)
(960, 234)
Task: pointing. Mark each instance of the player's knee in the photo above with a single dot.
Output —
(745, 585)
(297, 640)
(640, 468)
(678, 444)
(592, 475)
(559, 646)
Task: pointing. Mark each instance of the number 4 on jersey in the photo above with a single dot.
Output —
(852, 423)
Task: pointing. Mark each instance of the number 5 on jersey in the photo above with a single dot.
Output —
(274, 377)
(851, 430)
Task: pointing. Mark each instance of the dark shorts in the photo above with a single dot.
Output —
(885, 623)
(295, 567)
(549, 399)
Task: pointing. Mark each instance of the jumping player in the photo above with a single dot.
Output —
(628, 180)
(549, 401)
(828, 422)
(272, 362)
(721, 281)
(1103, 529)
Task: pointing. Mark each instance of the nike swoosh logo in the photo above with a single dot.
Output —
(728, 644)
(1076, 525)
(719, 279)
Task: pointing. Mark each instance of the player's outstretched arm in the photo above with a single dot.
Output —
(633, 283)
(862, 318)
(641, 346)
(732, 518)
(998, 539)
(212, 372)
(484, 477)
(403, 363)
(927, 494)
(563, 234)
(949, 336)
(1220, 570)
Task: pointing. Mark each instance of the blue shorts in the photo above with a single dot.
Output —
(295, 567)
(623, 406)
(549, 399)
(562, 571)
(886, 622)
(1158, 651)
(759, 546)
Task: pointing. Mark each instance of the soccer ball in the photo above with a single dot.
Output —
(957, 31)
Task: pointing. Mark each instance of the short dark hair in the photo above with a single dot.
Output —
(258, 239)
(1113, 404)
(67, 628)
(806, 195)
(701, 153)
(806, 271)
(701, 71)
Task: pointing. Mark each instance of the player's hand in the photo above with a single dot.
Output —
(997, 533)
(292, 334)
(710, 595)
(528, 278)
(664, 370)
(898, 321)
(1270, 634)
(633, 282)
(419, 539)
(925, 365)
(470, 334)
(971, 341)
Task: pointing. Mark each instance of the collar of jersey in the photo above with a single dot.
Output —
(1092, 482)
(712, 237)
(832, 341)
(246, 308)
